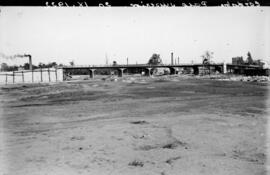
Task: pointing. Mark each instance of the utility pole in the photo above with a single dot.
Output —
(127, 60)
(178, 60)
(106, 59)
(172, 58)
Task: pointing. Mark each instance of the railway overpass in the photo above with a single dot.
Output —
(147, 68)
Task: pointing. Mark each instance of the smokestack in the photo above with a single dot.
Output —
(172, 58)
(30, 61)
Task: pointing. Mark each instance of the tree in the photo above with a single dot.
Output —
(41, 65)
(155, 59)
(4, 67)
(72, 63)
(34, 66)
(207, 56)
(26, 66)
(52, 64)
(13, 68)
(206, 60)
(249, 58)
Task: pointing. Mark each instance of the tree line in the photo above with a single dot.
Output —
(6, 67)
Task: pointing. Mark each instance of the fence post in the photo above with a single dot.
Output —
(63, 74)
(49, 74)
(32, 76)
(41, 75)
(13, 77)
(56, 74)
(22, 77)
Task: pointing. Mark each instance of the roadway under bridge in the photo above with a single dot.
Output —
(174, 69)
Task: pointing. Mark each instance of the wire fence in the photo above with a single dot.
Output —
(32, 76)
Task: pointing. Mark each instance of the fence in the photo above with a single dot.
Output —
(32, 76)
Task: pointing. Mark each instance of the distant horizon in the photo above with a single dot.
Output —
(89, 36)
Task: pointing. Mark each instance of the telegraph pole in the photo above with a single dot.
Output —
(172, 58)
(106, 59)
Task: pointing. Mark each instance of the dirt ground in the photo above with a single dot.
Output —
(133, 125)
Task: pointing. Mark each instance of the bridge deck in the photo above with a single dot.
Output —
(161, 66)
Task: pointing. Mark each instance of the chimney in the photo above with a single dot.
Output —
(172, 58)
(30, 62)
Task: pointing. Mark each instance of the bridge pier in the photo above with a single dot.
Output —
(230, 70)
(120, 72)
(92, 73)
(219, 69)
(173, 70)
(195, 70)
(148, 72)
(224, 70)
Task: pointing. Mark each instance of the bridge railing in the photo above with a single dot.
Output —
(134, 65)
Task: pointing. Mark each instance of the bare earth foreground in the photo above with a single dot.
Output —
(135, 126)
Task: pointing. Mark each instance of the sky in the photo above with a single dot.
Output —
(87, 35)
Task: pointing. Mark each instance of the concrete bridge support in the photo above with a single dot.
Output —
(173, 70)
(230, 70)
(148, 72)
(219, 69)
(195, 70)
(224, 68)
(92, 73)
(120, 72)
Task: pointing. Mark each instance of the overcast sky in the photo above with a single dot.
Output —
(87, 35)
